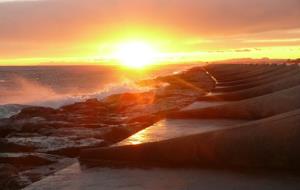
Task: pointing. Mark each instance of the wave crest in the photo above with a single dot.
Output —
(32, 93)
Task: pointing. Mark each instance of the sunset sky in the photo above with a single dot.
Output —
(75, 31)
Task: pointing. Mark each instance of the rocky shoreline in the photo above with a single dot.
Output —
(216, 116)
(39, 141)
(265, 97)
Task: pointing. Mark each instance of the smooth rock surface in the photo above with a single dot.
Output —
(173, 128)
(76, 178)
(268, 143)
(253, 108)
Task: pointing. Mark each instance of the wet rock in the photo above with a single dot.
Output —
(94, 123)
(196, 79)
(121, 102)
(91, 106)
(9, 179)
(6, 146)
(117, 134)
(37, 173)
(30, 112)
(75, 132)
(27, 160)
(73, 152)
(54, 143)
(267, 143)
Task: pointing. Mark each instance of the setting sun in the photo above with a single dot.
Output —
(135, 54)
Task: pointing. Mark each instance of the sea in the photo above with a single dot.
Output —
(55, 86)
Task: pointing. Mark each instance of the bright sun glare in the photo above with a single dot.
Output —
(135, 54)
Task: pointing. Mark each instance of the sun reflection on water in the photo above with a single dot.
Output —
(138, 138)
(148, 135)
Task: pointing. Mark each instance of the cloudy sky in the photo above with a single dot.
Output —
(51, 30)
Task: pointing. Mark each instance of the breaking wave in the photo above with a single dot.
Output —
(31, 93)
(18, 91)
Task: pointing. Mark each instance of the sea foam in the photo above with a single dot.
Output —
(38, 95)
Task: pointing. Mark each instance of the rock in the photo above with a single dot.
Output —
(284, 83)
(121, 102)
(9, 179)
(54, 143)
(30, 112)
(81, 107)
(73, 152)
(194, 79)
(32, 137)
(259, 78)
(117, 134)
(25, 161)
(40, 172)
(253, 108)
(267, 143)
(6, 146)
(234, 72)
(223, 88)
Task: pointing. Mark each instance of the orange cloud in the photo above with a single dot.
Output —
(74, 27)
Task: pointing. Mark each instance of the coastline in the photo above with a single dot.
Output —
(90, 130)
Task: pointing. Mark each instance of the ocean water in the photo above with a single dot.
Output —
(55, 86)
